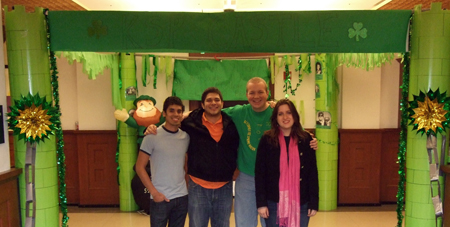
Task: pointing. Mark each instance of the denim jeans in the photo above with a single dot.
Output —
(245, 211)
(271, 221)
(214, 204)
(174, 212)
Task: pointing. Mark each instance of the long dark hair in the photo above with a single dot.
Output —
(297, 131)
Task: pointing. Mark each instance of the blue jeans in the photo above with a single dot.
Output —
(173, 212)
(271, 221)
(214, 204)
(245, 211)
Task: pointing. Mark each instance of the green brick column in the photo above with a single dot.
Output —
(128, 136)
(29, 72)
(327, 154)
(430, 69)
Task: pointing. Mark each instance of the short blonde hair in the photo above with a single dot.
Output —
(256, 80)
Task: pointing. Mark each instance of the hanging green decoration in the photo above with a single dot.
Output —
(401, 156)
(145, 65)
(59, 133)
(287, 81)
(155, 70)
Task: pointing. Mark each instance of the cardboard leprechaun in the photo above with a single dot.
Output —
(145, 114)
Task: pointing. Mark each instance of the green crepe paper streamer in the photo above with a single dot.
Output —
(162, 61)
(169, 67)
(144, 70)
(59, 132)
(155, 70)
(302, 112)
(272, 69)
(116, 83)
(94, 64)
(278, 62)
(402, 141)
(366, 61)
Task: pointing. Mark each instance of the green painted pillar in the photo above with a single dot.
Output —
(429, 69)
(128, 149)
(29, 72)
(326, 131)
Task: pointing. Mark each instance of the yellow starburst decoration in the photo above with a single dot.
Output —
(34, 121)
(429, 114)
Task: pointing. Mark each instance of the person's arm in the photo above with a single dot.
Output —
(260, 178)
(142, 160)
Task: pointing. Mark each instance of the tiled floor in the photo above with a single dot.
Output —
(353, 216)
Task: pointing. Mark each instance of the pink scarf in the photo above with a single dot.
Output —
(289, 185)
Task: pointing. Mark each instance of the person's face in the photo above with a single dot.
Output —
(318, 67)
(257, 95)
(212, 105)
(173, 115)
(284, 117)
(145, 108)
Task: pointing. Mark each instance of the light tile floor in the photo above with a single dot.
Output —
(353, 216)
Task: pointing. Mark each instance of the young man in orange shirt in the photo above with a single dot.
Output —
(212, 156)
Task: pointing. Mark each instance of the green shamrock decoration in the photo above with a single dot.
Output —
(97, 29)
(357, 31)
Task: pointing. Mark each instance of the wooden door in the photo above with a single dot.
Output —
(97, 168)
(359, 167)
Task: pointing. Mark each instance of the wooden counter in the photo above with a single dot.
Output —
(9, 198)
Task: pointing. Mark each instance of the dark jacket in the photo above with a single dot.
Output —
(267, 173)
(207, 159)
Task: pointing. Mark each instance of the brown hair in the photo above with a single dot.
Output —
(297, 131)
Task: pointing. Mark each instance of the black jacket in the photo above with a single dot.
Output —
(267, 173)
(207, 159)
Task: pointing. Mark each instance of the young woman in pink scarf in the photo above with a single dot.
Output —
(286, 179)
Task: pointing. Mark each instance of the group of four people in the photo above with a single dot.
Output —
(273, 181)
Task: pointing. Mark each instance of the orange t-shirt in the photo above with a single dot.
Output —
(216, 131)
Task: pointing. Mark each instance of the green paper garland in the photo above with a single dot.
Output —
(403, 136)
(59, 133)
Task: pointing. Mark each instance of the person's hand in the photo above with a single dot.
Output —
(313, 144)
(311, 212)
(272, 103)
(151, 129)
(263, 212)
(159, 197)
(121, 115)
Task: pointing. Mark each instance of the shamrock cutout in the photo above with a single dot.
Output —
(97, 29)
(357, 31)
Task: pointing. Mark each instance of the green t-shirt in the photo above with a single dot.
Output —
(251, 126)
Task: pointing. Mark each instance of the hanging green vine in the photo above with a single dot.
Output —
(59, 133)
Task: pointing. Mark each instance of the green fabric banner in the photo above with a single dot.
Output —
(368, 31)
(191, 78)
